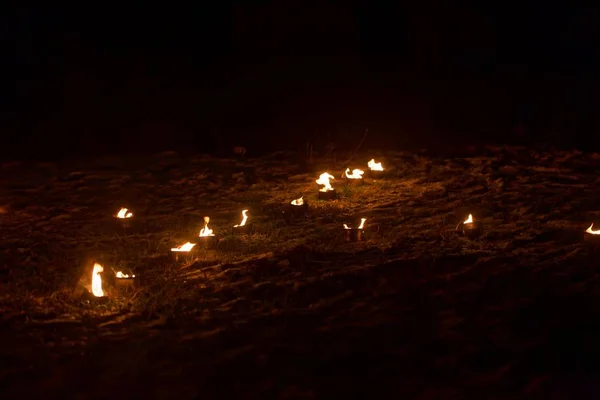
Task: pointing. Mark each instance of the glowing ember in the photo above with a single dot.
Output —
(97, 281)
(124, 214)
(185, 247)
(468, 220)
(324, 180)
(356, 173)
(593, 232)
(244, 219)
(373, 166)
(121, 275)
(298, 202)
(361, 226)
(206, 231)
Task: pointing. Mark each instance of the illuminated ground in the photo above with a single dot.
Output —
(294, 311)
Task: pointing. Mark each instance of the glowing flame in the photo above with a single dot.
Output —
(206, 231)
(121, 275)
(361, 226)
(356, 173)
(97, 281)
(244, 219)
(324, 180)
(298, 202)
(185, 247)
(124, 214)
(593, 232)
(373, 166)
(468, 220)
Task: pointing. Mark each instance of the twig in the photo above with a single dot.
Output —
(358, 147)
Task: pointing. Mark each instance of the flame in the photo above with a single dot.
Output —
(298, 202)
(206, 231)
(373, 166)
(593, 232)
(97, 281)
(468, 220)
(361, 226)
(356, 173)
(124, 214)
(121, 275)
(324, 180)
(185, 247)
(244, 219)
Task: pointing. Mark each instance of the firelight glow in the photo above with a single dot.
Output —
(361, 226)
(97, 281)
(356, 173)
(468, 220)
(121, 275)
(206, 231)
(184, 247)
(593, 232)
(298, 202)
(244, 219)
(124, 214)
(374, 166)
(324, 180)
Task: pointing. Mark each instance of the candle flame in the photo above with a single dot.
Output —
(298, 202)
(468, 220)
(206, 231)
(374, 166)
(184, 247)
(324, 180)
(244, 219)
(361, 226)
(97, 280)
(356, 173)
(121, 275)
(124, 214)
(593, 232)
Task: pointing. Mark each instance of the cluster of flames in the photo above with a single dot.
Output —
(354, 174)
(97, 279)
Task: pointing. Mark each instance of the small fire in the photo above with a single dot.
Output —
(593, 232)
(298, 202)
(124, 214)
(206, 231)
(468, 220)
(374, 166)
(97, 281)
(361, 226)
(121, 275)
(185, 247)
(356, 173)
(324, 180)
(244, 219)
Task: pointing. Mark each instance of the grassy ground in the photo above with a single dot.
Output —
(293, 310)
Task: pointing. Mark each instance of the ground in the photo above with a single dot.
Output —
(293, 310)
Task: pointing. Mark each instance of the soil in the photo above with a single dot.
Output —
(293, 310)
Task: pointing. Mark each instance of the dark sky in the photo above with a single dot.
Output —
(98, 72)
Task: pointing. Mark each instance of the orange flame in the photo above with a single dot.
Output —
(244, 219)
(324, 180)
(185, 247)
(97, 281)
(206, 231)
(361, 226)
(468, 220)
(356, 173)
(298, 202)
(124, 214)
(121, 275)
(373, 166)
(593, 232)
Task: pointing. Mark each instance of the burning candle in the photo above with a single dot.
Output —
(356, 173)
(471, 228)
(124, 216)
(591, 235)
(243, 227)
(355, 234)
(326, 192)
(375, 169)
(184, 249)
(207, 236)
(97, 280)
(124, 280)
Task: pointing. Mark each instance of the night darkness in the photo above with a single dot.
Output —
(153, 78)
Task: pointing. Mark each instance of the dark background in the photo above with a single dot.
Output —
(273, 74)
